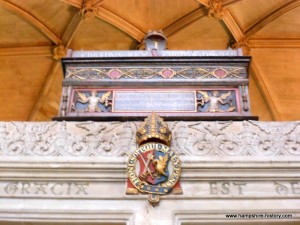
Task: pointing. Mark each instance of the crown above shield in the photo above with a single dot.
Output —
(154, 129)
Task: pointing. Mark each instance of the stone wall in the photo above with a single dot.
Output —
(76, 172)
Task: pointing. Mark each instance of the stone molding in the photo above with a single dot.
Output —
(217, 217)
(165, 53)
(248, 139)
(87, 217)
(75, 172)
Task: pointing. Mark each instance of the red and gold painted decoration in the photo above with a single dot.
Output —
(178, 73)
(220, 73)
(114, 74)
(178, 88)
(154, 168)
(167, 73)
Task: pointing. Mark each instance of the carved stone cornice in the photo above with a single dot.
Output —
(212, 140)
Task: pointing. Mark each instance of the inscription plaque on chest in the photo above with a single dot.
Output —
(148, 101)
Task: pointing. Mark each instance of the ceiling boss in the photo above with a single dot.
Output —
(154, 168)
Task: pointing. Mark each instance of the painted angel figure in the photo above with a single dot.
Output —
(214, 100)
(93, 100)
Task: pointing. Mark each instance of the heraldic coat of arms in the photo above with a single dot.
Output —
(154, 168)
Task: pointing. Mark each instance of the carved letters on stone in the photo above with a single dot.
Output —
(201, 189)
(286, 188)
(227, 188)
(46, 188)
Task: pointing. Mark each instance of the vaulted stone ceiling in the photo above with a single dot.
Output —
(35, 33)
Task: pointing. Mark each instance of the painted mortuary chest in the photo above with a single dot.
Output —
(176, 87)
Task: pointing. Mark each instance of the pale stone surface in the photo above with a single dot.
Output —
(138, 53)
(248, 138)
(76, 172)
